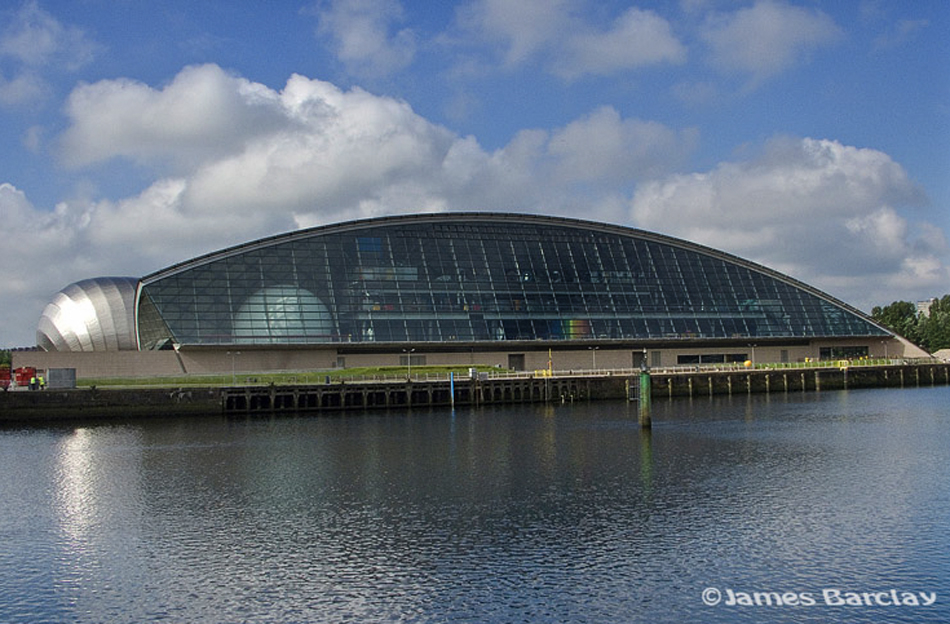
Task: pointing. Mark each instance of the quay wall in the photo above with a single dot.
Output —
(699, 383)
(348, 395)
(90, 403)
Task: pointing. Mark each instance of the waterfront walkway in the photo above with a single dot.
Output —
(479, 389)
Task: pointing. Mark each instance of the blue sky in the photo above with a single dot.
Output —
(812, 137)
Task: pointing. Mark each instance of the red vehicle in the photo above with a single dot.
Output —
(4, 376)
(23, 375)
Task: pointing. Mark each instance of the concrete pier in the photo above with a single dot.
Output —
(112, 403)
(639, 386)
(514, 389)
(416, 393)
(698, 382)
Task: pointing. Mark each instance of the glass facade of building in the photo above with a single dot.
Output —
(478, 277)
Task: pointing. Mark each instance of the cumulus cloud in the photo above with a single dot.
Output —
(22, 89)
(635, 39)
(40, 248)
(235, 160)
(203, 113)
(312, 153)
(603, 146)
(766, 38)
(336, 149)
(34, 42)
(364, 36)
(312, 148)
(571, 44)
(816, 209)
(36, 38)
(525, 27)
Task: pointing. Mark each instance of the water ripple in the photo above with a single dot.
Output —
(526, 514)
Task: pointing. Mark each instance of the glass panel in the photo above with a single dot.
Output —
(446, 280)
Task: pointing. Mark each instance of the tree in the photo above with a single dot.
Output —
(934, 327)
(930, 331)
(900, 316)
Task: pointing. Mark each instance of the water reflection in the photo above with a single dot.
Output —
(97, 500)
(538, 513)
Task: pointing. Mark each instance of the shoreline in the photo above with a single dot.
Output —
(57, 405)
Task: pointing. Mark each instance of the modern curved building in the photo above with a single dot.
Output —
(92, 315)
(487, 288)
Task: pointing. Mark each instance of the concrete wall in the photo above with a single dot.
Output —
(171, 364)
(563, 357)
(104, 364)
(239, 361)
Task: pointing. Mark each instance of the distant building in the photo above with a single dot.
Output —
(923, 307)
(514, 290)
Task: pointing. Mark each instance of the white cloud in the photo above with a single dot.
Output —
(603, 146)
(816, 209)
(24, 88)
(312, 150)
(40, 249)
(204, 112)
(525, 27)
(248, 149)
(902, 32)
(37, 43)
(568, 42)
(767, 38)
(312, 153)
(336, 148)
(263, 162)
(635, 39)
(33, 138)
(363, 37)
(36, 38)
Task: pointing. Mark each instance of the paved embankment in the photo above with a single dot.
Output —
(351, 395)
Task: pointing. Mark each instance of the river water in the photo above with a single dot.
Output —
(806, 507)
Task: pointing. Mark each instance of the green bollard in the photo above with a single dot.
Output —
(645, 389)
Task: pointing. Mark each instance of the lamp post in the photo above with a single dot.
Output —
(408, 353)
(233, 371)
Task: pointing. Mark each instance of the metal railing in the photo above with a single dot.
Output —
(299, 377)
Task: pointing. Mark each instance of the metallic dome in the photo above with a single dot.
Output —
(281, 314)
(92, 315)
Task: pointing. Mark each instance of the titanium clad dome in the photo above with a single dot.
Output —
(91, 315)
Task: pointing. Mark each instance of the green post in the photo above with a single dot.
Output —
(645, 388)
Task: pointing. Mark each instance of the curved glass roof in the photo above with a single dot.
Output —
(475, 277)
